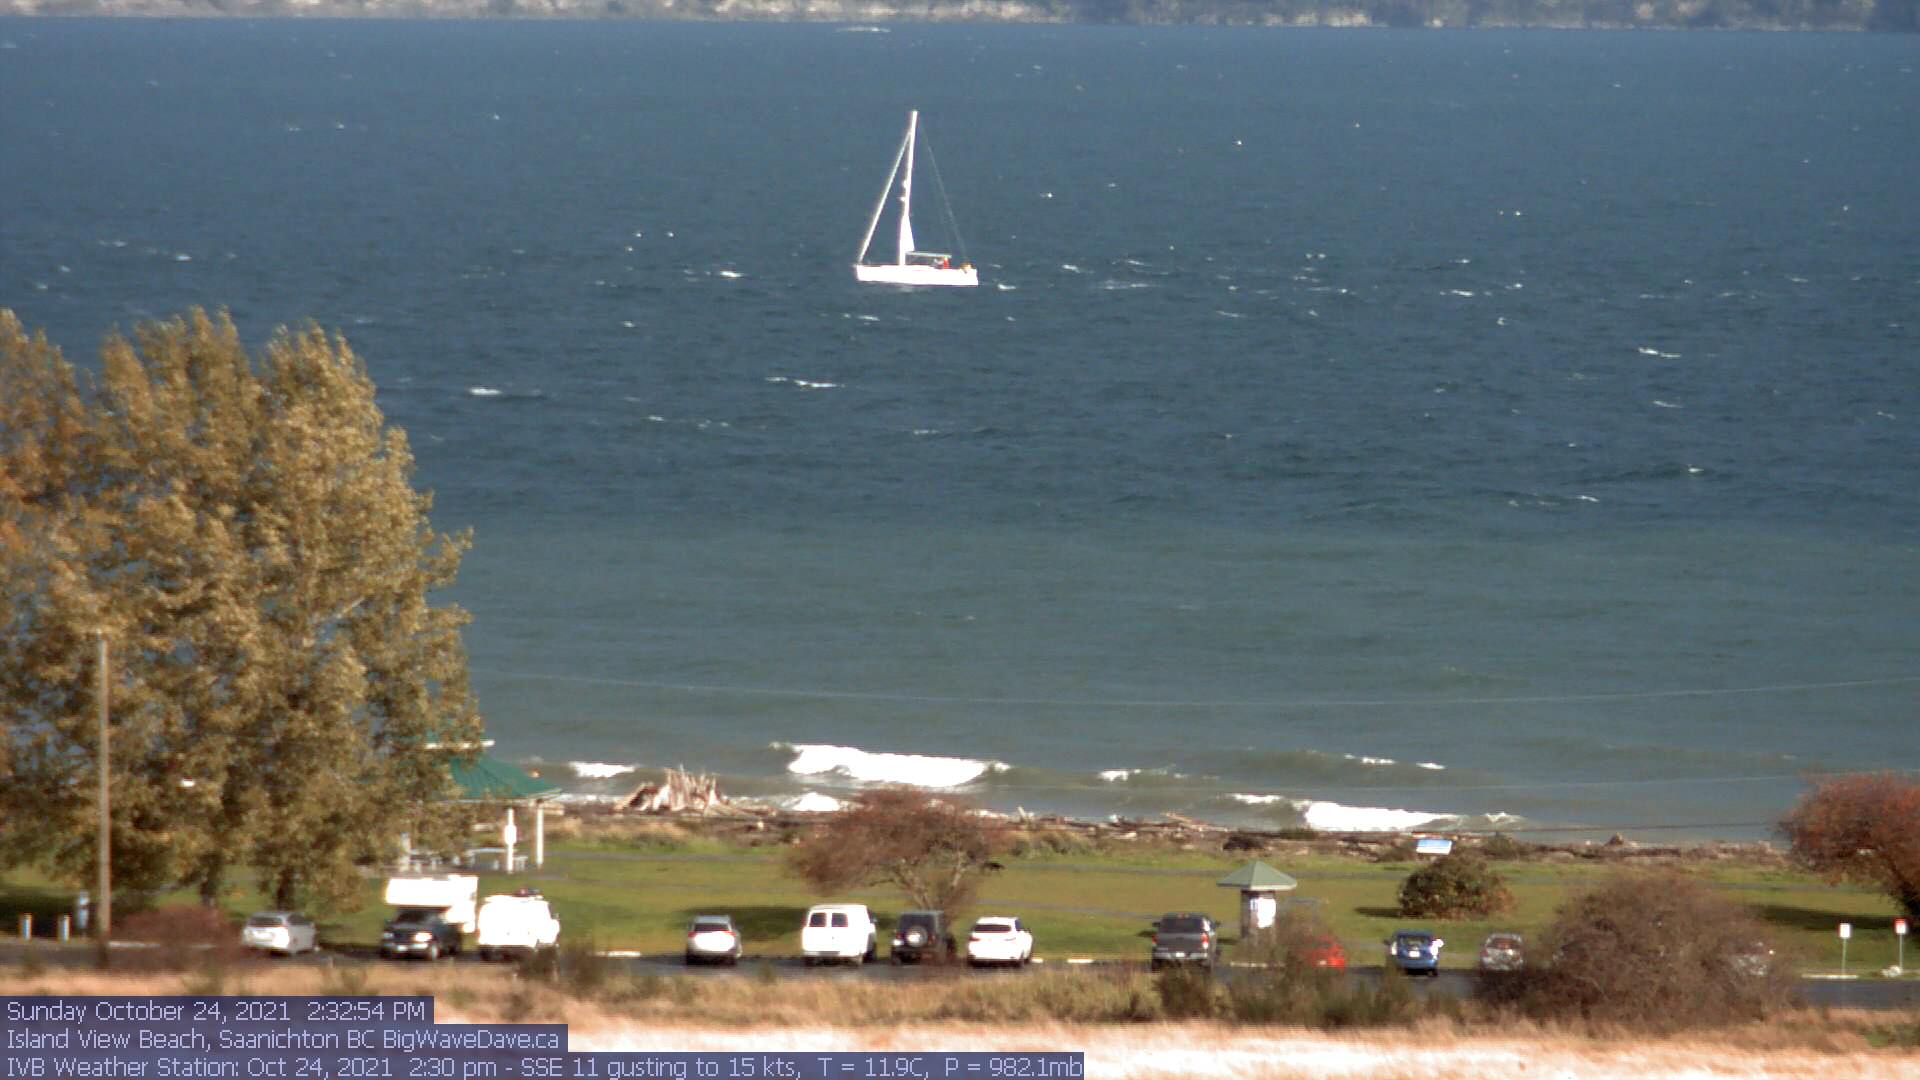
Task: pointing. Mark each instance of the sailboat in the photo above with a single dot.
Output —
(910, 266)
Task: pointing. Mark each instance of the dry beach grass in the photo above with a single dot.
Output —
(760, 1013)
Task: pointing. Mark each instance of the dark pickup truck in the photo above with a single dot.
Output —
(1185, 938)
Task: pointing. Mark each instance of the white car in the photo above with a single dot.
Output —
(999, 939)
(283, 932)
(838, 932)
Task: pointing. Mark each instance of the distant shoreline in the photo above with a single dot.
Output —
(1897, 16)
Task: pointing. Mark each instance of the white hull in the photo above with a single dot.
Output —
(911, 274)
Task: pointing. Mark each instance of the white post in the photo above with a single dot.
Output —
(1846, 931)
(26, 924)
(539, 834)
(510, 835)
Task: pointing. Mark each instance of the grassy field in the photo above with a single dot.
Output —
(638, 892)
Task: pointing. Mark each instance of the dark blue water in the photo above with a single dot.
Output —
(1470, 423)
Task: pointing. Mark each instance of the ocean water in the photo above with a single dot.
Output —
(1351, 427)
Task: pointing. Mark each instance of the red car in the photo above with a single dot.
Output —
(1326, 953)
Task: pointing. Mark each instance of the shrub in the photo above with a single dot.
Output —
(1187, 993)
(1503, 848)
(180, 937)
(1659, 951)
(1458, 886)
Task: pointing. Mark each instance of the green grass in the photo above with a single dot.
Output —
(1078, 903)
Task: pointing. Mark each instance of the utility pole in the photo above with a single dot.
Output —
(104, 860)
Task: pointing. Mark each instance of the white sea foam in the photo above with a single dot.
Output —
(1645, 350)
(730, 275)
(482, 391)
(1333, 817)
(1362, 759)
(812, 803)
(804, 384)
(1114, 776)
(1258, 800)
(598, 770)
(1430, 765)
(917, 770)
(1658, 404)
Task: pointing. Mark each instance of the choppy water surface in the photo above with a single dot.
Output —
(1351, 427)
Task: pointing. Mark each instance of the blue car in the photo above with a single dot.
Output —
(1415, 952)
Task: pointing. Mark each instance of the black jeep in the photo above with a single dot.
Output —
(922, 935)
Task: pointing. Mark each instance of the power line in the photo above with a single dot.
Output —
(1134, 703)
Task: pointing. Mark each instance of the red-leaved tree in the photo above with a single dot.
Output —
(932, 850)
(1864, 827)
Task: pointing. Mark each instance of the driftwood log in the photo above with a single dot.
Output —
(679, 792)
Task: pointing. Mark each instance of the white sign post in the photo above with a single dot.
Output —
(1846, 931)
(1900, 932)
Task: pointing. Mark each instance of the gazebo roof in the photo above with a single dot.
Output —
(1257, 876)
(490, 778)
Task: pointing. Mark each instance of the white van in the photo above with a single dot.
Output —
(451, 895)
(838, 932)
(516, 923)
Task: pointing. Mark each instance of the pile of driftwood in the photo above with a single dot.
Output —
(680, 792)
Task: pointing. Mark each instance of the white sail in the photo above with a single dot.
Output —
(907, 246)
(911, 266)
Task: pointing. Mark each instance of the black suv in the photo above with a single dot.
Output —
(1185, 937)
(419, 932)
(922, 935)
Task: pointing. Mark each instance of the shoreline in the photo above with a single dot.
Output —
(870, 16)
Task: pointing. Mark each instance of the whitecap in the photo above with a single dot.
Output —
(183, 257)
(1429, 765)
(1364, 760)
(1004, 287)
(482, 391)
(812, 803)
(730, 275)
(1114, 776)
(1069, 267)
(1258, 800)
(598, 770)
(1658, 404)
(1647, 351)
(917, 770)
(1460, 292)
(1326, 816)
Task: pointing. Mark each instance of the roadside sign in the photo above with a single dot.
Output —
(1900, 927)
(1846, 930)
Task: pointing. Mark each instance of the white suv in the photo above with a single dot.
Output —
(838, 932)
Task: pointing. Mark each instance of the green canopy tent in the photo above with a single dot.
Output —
(1257, 883)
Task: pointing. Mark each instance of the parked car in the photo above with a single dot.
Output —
(420, 932)
(921, 935)
(713, 939)
(1502, 952)
(516, 924)
(283, 932)
(1326, 953)
(999, 939)
(1415, 952)
(1185, 937)
(838, 932)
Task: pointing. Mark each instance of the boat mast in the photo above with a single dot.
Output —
(906, 190)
